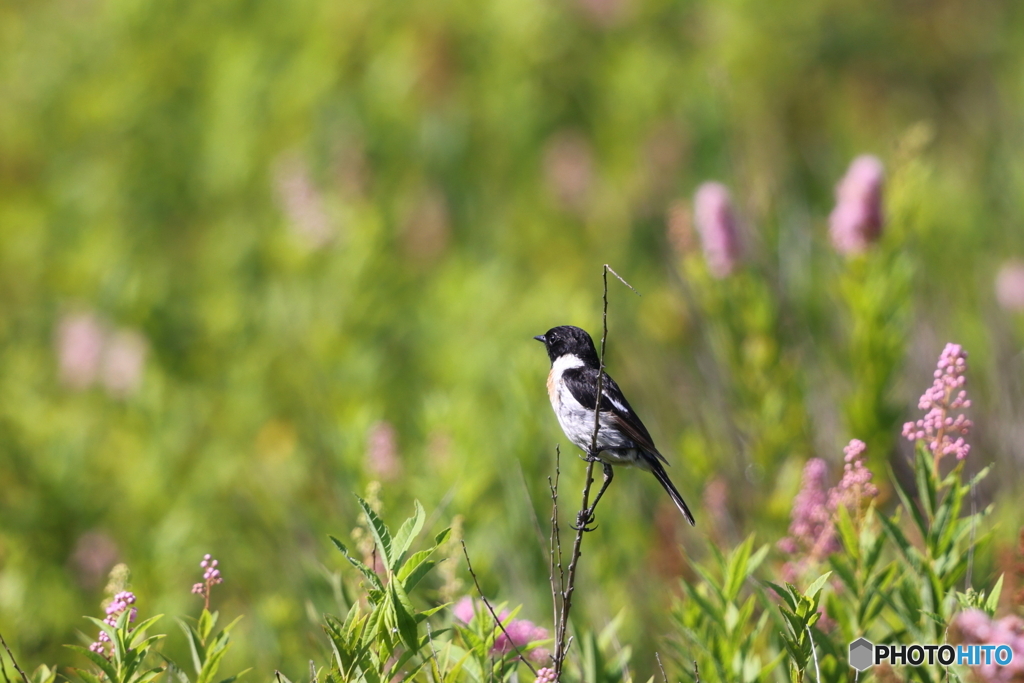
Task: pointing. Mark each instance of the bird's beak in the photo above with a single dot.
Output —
(541, 338)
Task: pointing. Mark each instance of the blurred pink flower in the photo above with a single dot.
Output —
(812, 532)
(716, 223)
(604, 13)
(426, 229)
(464, 610)
(94, 554)
(856, 221)
(302, 202)
(1010, 286)
(521, 632)
(546, 675)
(855, 487)
(811, 528)
(974, 627)
(569, 169)
(382, 451)
(679, 227)
(79, 346)
(124, 359)
(943, 432)
(88, 351)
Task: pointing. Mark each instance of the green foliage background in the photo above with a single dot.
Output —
(470, 165)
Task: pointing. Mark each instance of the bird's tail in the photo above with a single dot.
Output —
(663, 479)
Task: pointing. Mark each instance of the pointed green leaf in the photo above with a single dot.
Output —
(140, 630)
(99, 660)
(993, 599)
(381, 535)
(370, 575)
(406, 535)
(818, 584)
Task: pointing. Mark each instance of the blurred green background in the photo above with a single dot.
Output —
(256, 254)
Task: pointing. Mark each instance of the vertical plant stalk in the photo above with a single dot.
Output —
(569, 586)
(13, 661)
(494, 615)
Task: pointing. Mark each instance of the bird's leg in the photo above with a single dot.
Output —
(608, 474)
(586, 517)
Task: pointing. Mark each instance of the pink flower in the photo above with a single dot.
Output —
(856, 221)
(811, 527)
(463, 610)
(569, 169)
(812, 531)
(1010, 286)
(382, 451)
(520, 632)
(302, 202)
(79, 346)
(123, 361)
(974, 627)
(944, 433)
(546, 675)
(855, 487)
(716, 223)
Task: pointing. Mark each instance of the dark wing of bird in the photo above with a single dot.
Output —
(582, 383)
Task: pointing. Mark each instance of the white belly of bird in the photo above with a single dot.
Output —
(577, 421)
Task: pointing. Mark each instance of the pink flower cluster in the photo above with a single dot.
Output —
(121, 602)
(812, 529)
(943, 432)
(856, 222)
(546, 675)
(88, 351)
(855, 486)
(974, 627)
(211, 577)
(520, 631)
(718, 228)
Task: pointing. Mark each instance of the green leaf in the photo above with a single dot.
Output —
(404, 620)
(88, 676)
(818, 584)
(99, 660)
(406, 535)
(925, 475)
(442, 536)
(141, 629)
(191, 636)
(993, 599)
(232, 679)
(381, 535)
(784, 594)
(736, 569)
(370, 575)
(206, 624)
(847, 534)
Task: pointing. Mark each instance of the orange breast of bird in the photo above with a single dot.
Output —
(552, 388)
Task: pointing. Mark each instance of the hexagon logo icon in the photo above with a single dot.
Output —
(862, 654)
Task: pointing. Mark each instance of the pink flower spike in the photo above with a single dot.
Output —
(942, 398)
(856, 221)
(718, 228)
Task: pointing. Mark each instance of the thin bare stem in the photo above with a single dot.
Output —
(814, 653)
(696, 672)
(555, 543)
(13, 661)
(3, 669)
(663, 676)
(493, 613)
(585, 513)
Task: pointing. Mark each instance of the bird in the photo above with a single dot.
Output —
(622, 438)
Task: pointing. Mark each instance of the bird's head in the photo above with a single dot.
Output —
(568, 340)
